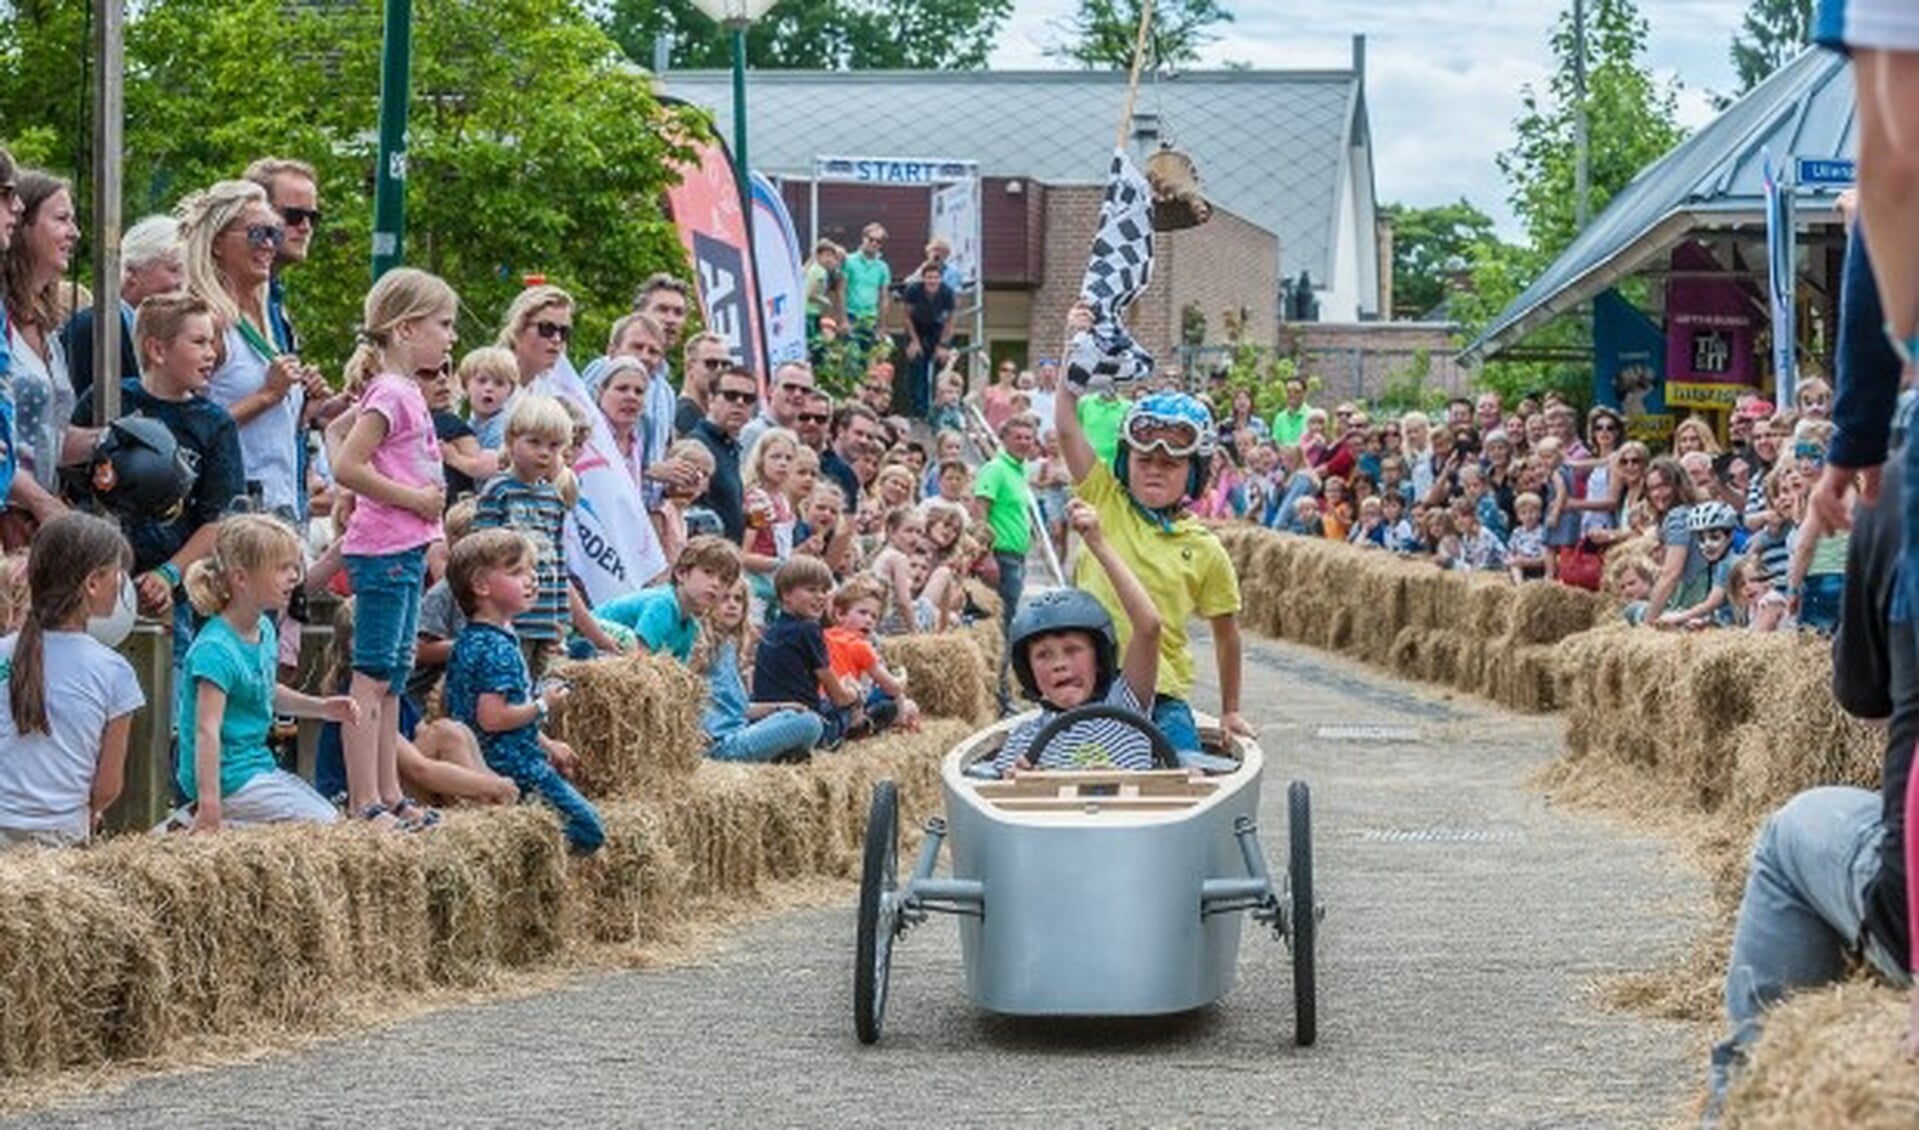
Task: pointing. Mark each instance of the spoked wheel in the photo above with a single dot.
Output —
(1304, 912)
(873, 945)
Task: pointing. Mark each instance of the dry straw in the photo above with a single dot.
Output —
(1831, 1058)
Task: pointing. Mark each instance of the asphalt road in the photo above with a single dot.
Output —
(1465, 923)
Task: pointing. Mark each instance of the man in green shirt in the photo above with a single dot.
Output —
(1100, 415)
(1289, 423)
(1003, 503)
(869, 286)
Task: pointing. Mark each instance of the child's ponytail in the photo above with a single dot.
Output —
(245, 542)
(66, 552)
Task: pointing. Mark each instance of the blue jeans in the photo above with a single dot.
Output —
(584, 832)
(386, 613)
(1299, 486)
(1175, 719)
(1012, 581)
(1802, 913)
(771, 737)
(1819, 603)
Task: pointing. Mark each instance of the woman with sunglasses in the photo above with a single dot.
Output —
(42, 395)
(1605, 431)
(232, 238)
(1629, 514)
(538, 326)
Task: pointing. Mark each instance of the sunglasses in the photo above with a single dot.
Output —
(295, 217)
(1634, 461)
(1605, 426)
(266, 235)
(813, 417)
(738, 396)
(713, 362)
(553, 331)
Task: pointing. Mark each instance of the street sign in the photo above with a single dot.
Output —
(892, 170)
(1825, 172)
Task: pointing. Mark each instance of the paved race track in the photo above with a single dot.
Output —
(1465, 922)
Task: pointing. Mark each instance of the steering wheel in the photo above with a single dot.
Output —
(1164, 755)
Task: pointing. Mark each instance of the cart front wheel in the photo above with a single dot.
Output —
(1304, 912)
(878, 918)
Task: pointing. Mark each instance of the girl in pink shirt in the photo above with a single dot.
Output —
(391, 460)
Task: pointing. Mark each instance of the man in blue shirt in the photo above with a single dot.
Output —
(152, 261)
(734, 396)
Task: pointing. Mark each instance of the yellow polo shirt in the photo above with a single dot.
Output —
(1185, 571)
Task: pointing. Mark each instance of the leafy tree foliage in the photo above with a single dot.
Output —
(534, 145)
(1772, 32)
(813, 34)
(1101, 34)
(1430, 247)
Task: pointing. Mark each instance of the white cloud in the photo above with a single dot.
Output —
(1443, 78)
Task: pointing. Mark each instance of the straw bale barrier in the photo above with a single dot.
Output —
(1476, 632)
(135, 947)
(1830, 1058)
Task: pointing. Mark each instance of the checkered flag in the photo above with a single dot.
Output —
(1119, 271)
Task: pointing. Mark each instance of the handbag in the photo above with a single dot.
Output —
(1582, 566)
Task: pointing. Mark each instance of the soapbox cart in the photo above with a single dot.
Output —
(1092, 892)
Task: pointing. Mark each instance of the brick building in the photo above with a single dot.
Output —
(1285, 157)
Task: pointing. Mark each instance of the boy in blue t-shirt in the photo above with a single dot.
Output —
(489, 689)
(665, 619)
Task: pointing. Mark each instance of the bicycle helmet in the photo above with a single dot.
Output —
(139, 472)
(1711, 516)
(1063, 610)
(1176, 423)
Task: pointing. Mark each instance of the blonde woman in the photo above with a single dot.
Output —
(232, 237)
(1416, 444)
(538, 325)
(1694, 434)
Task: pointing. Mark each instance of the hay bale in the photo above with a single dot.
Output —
(634, 720)
(495, 886)
(947, 673)
(1545, 613)
(1830, 1058)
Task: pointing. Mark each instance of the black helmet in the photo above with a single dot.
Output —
(140, 472)
(1062, 610)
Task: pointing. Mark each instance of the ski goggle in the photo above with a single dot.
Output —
(1178, 438)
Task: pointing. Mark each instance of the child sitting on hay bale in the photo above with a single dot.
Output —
(792, 664)
(665, 619)
(490, 690)
(228, 692)
(849, 646)
(741, 730)
(63, 741)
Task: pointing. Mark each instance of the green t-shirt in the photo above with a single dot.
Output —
(1289, 425)
(815, 289)
(1002, 483)
(1100, 418)
(866, 280)
(246, 672)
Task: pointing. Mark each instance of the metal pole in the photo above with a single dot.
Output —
(108, 119)
(389, 194)
(1582, 143)
(741, 165)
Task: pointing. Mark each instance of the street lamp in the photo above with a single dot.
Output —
(736, 16)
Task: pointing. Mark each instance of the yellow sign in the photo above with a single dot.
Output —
(1704, 394)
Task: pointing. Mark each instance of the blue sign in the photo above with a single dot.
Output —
(1825, 172)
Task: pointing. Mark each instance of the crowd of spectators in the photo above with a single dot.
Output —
(1690, 532)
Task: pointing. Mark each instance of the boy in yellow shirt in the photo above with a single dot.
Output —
(1166, 439)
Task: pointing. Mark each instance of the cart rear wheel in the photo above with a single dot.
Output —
(1305, 913)
(873, 944)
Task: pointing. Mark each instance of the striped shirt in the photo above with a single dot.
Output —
(536, 510)
(1097, 743)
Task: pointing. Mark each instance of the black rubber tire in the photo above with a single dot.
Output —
(873, 942)
(1305, 913)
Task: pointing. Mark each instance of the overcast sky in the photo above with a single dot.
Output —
(1443, 76)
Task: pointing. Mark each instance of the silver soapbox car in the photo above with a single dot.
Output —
(1092, 892)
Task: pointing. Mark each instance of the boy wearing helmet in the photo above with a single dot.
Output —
(1062, 647)
(1165, 442)
(1711, 525)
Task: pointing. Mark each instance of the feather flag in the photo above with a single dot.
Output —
(1118, 272)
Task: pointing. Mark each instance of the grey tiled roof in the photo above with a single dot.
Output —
(1270, 145)
(1714, 177)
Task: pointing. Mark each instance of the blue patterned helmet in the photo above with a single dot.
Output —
(1175, 422)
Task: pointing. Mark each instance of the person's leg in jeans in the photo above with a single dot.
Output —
(584, 832)
(1800, 917)
(769, 738)
(1012, 581)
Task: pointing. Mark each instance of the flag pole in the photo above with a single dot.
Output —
(1132, 82)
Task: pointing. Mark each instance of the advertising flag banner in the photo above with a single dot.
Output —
(956, 219)
(1629, 366)
(776, 258)
(713, 225)
(1711, 324)
(610, 543)
(1782, 272)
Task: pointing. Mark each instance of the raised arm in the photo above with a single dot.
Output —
(1073, 445)
(1140, 664)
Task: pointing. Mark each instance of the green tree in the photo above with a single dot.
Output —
(1101, 34)
(1431, 246)
(922, 35)
(1772, 32)
(534, 146)
(1631, 123)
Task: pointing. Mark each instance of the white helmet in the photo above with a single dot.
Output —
(1713, 515)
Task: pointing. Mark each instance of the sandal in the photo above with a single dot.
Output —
(378, 816)
(414, 816)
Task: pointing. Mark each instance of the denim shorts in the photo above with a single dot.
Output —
(386, 613)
